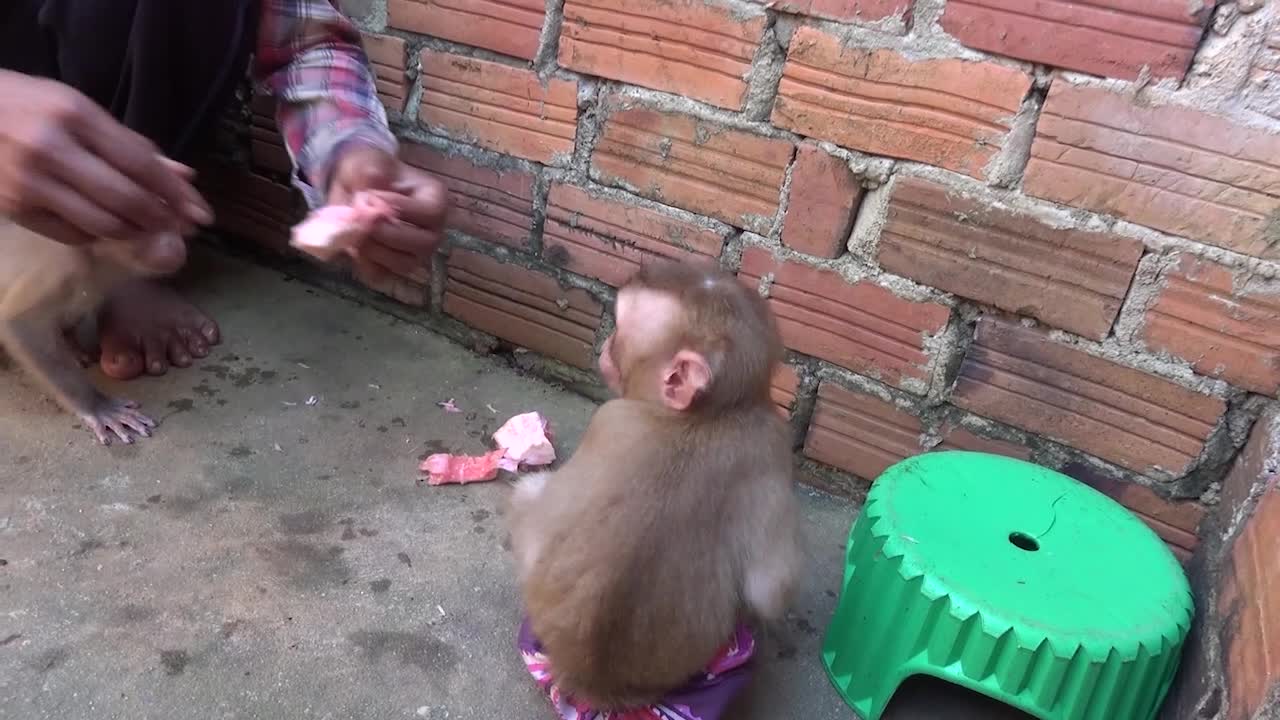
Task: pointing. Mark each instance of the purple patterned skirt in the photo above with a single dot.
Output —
(704, 697)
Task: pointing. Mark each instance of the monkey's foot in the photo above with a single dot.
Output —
(118, 418)
(146, 326)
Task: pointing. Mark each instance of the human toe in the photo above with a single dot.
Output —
(121, 359)
(157, 359)
(179, 355)
(209, 330)
(195, 341)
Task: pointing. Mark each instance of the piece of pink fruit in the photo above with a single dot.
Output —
(334, 229)
(522, 440)
(445, 469)
(526, 438)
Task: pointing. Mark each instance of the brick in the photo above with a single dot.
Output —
(1072, 279)
(502, 108)
(1174, 169)
(252, 207)
(1021, 377)
(701, 49)
(1250, 612)
(1112, 38)
(1256, 467)
(1177, 522)
(860, 326)
(694, 164)
(510, 27)
(786, 382)
(1243, 607)
(824, 196)
(956, 437)
(607, 238)
(1204, 315)
(395, 286)
(860, 433)
(266, 146)
(387, 56)
(859, 11)
(487, 204)
(951, 113)
(523, 307)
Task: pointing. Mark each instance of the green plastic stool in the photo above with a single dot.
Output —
(1011, 580)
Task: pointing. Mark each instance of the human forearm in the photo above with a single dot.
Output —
(310, 58)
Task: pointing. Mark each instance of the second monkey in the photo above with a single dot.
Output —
(675, 520)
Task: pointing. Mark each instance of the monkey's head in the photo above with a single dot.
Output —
(691, 337)
(162, 254)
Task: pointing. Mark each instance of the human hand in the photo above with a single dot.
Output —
(419, 200)
(70, 171)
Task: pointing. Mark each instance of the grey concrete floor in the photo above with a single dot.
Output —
(265, 558)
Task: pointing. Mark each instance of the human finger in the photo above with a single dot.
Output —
(423, 203)
(72, 207)
(54, 227)
(187, 172)
(115, 192)
(406, 238)
(139, 159)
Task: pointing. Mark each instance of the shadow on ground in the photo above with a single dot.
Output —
(263, 557)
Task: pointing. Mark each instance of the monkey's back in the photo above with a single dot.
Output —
(643, 581)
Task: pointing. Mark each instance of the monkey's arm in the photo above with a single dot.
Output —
(34, 341)
(535, 508)
(522, 510)
(39, 348)
(773, 555)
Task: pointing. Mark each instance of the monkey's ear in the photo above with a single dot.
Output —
(687, 375)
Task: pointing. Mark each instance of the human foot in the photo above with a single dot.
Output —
(145, 327)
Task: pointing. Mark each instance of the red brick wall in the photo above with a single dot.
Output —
(1231, 669)
(1044, 229)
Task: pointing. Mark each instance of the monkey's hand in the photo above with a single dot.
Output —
(112, 416)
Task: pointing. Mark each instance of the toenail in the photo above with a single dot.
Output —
(156, 366)
(122, 359)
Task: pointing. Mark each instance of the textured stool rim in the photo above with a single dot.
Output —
(1136, 594)
(939, 583)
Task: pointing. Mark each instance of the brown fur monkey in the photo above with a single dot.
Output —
(675, 518)
(46, 288)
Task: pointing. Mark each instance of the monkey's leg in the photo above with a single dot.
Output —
(41, 350)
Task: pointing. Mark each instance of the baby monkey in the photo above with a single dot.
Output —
(675, 519)
(47, 288)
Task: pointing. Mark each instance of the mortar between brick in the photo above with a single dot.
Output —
(766, 74)
(854, 272)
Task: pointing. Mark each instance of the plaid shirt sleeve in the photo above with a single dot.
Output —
(310, 57)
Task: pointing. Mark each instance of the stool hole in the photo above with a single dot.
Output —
(1023, 541)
